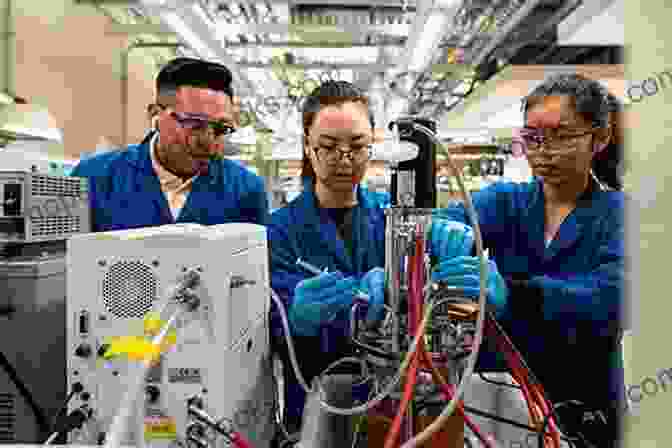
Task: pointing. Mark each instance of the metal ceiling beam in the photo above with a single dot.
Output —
(130, 30)
(583, 15)
(325, 45)
(371, 3)
(317, 30)
(271, 28)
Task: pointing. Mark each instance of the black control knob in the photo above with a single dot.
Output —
(152, 393)
(83, 351)
(102, 349)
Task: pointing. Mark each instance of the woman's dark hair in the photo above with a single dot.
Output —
(594, 103)
(329, 93)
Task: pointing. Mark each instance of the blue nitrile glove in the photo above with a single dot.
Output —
(373, 284)
(450, 239)
(318, 300)
(464, 273)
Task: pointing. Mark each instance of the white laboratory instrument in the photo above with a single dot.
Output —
(221, 352)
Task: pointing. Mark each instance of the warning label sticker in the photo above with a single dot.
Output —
(184, 375)
(160, 428)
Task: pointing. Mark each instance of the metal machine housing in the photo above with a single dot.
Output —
(117, 277)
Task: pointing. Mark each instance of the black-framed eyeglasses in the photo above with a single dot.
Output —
(199, 122)
(332, 155)
(553, 140)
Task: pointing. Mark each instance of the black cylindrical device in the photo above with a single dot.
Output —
(414, 181)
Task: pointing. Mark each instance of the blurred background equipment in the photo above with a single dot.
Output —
(38, 213)
(40, 207)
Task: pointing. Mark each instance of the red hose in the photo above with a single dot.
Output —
(415, 310)
(238, 441)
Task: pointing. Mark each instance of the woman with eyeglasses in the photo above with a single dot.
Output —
(558, 241)
(336, 225)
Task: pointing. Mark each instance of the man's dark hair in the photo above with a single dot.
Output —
(601, 108)
(189, 72)
(329, 93)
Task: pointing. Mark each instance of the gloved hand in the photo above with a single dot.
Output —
(318, 300)
(450, 239)
(464, 273)
(373, 284)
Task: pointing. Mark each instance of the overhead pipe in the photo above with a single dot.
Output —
(554, 20)
(518, 17)
(124, 79)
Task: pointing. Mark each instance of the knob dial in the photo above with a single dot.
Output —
(152, 393)
(83, 351)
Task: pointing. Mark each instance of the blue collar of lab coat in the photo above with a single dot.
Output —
(593, 205)
(319, 223)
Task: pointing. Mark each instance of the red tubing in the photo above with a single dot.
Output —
(415, 317)
(238, 441)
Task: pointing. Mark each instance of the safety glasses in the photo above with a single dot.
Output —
(196, 122)
(356, 154)
(561, 140)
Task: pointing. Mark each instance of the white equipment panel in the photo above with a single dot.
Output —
(115, 278)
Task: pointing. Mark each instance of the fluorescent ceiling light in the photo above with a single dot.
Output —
(433, 30)
(28, 122)
(428, 39)
(187, 34)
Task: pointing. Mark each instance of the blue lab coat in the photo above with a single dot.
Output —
(303, 230)
(124, 192)
(573, 342)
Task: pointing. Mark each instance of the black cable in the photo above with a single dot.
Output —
(492, 417)
(74, 420)
(547, 418)
(76, 389)
(497, 383)
(38, 412)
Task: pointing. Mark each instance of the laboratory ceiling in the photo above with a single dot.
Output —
(411, 56)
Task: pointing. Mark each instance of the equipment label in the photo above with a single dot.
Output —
(160, 428)
(184, 375)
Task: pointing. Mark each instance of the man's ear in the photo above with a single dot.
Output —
(152, 111)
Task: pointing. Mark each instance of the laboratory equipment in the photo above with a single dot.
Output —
(414, 180)
(37, 214)
(219, 359)
(32, 342)
(39, 207)
(430, 338)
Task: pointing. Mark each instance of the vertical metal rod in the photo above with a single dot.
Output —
(392, 275)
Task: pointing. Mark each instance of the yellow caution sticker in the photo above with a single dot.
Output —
(160, 428)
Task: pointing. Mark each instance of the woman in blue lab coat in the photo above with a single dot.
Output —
(334, 224)
(559, 243)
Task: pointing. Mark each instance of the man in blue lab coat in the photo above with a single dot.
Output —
(176, 174)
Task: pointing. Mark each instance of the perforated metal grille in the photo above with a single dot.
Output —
(7, 418)
(57, 186)
(129, 289)
(55, 225)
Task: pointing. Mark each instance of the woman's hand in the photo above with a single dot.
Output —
(450, 239)
(463, 273)
(318, 300)
(373, 284)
